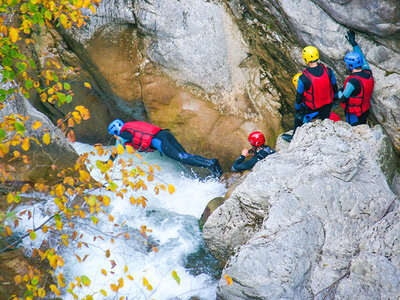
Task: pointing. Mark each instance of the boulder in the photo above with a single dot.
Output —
(300, 223)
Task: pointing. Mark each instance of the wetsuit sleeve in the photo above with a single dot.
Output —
(300, 92)
(334, 83)
(126, 135)
(345, 95)
(239, 165)
(365, 65)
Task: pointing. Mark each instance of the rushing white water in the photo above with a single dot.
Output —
(173, 220)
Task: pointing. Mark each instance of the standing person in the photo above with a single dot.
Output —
(147, 137)
(316, 89)
(259, 151)
(355, 96)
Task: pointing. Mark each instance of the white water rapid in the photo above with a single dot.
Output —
(173, 220)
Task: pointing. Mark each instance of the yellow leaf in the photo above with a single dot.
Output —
(25, 144)
(14, 34)
(120, 149)
(104, 293)
(130, 277)
(87, 84)
(93, 9)
(60, 190)
(17, 154)
(36, 125)
(126, 269)
(176, 277)
(106, 201)
(228, 279)
(32, 235)
(149, 287)
(171, 189)
(46, 138)
(18, 279)
(120, 283)
(114, 287)
(145, 281)
(41, 293)
(104, 272)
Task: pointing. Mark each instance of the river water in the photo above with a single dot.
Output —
(173, 221)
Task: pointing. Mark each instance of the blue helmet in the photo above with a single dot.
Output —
(115, 127)
(353, 60)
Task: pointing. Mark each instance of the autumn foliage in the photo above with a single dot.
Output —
(72, 195)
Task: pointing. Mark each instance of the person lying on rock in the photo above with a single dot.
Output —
(355, 96)
(316, 89)
(259, 152)
(147, 137)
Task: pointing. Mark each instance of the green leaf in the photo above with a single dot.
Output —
(57, 217)
(17, 198)
(2, 98)
(2, 132)
(69, 98)
(61, 97)
(92, 200)
(14, 53)
(33, 8)
(34, 281)
(32, 63)
(7, 61)
(85, 280)
(94, 220)
(19, 126)
(67, 86)
(28, 84)
(55, 78)
(5, 49)
(6, 74)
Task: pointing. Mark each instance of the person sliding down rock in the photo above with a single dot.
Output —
(316, 89)
(355, 96)
(259, 151)
(147, 137)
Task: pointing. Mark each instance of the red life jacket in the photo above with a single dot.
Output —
(142, 133)
(360, 103)
(320, 92)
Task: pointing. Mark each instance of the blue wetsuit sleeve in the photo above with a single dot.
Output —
(334, 84)
(347, 91)
(365, 63)
(300, 87)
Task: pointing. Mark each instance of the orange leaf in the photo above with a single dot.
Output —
(114, 287)
(228, 279)
(71, 136)
(171, 189)
(87, 84)
(104, 272)
(37, 125)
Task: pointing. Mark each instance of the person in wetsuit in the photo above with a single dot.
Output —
(355, 96)
(316, 90)
(259, 151)
(147, 137)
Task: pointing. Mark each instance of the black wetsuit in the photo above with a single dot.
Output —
(240, 165)
(166, 143)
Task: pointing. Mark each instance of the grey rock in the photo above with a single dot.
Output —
(310, 207)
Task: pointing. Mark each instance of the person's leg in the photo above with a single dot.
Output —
(325, 111)
(171, 148)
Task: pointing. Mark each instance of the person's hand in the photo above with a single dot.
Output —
(245, 152)
(351, 37)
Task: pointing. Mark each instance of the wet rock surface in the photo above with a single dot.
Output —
(308, 221)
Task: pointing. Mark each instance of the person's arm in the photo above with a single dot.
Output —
(124, 137)
(334, 84)
(240, 165)
(346, 93)
(351, 37)
(299, 95)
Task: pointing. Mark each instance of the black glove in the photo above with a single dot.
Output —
(351, 37)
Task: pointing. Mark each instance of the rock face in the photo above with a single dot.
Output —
(204, 68)
(46, 161)
(310, 220)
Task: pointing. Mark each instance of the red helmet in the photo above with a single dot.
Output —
(256, 139)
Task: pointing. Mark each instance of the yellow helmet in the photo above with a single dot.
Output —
(296, 79)
(310, 53)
